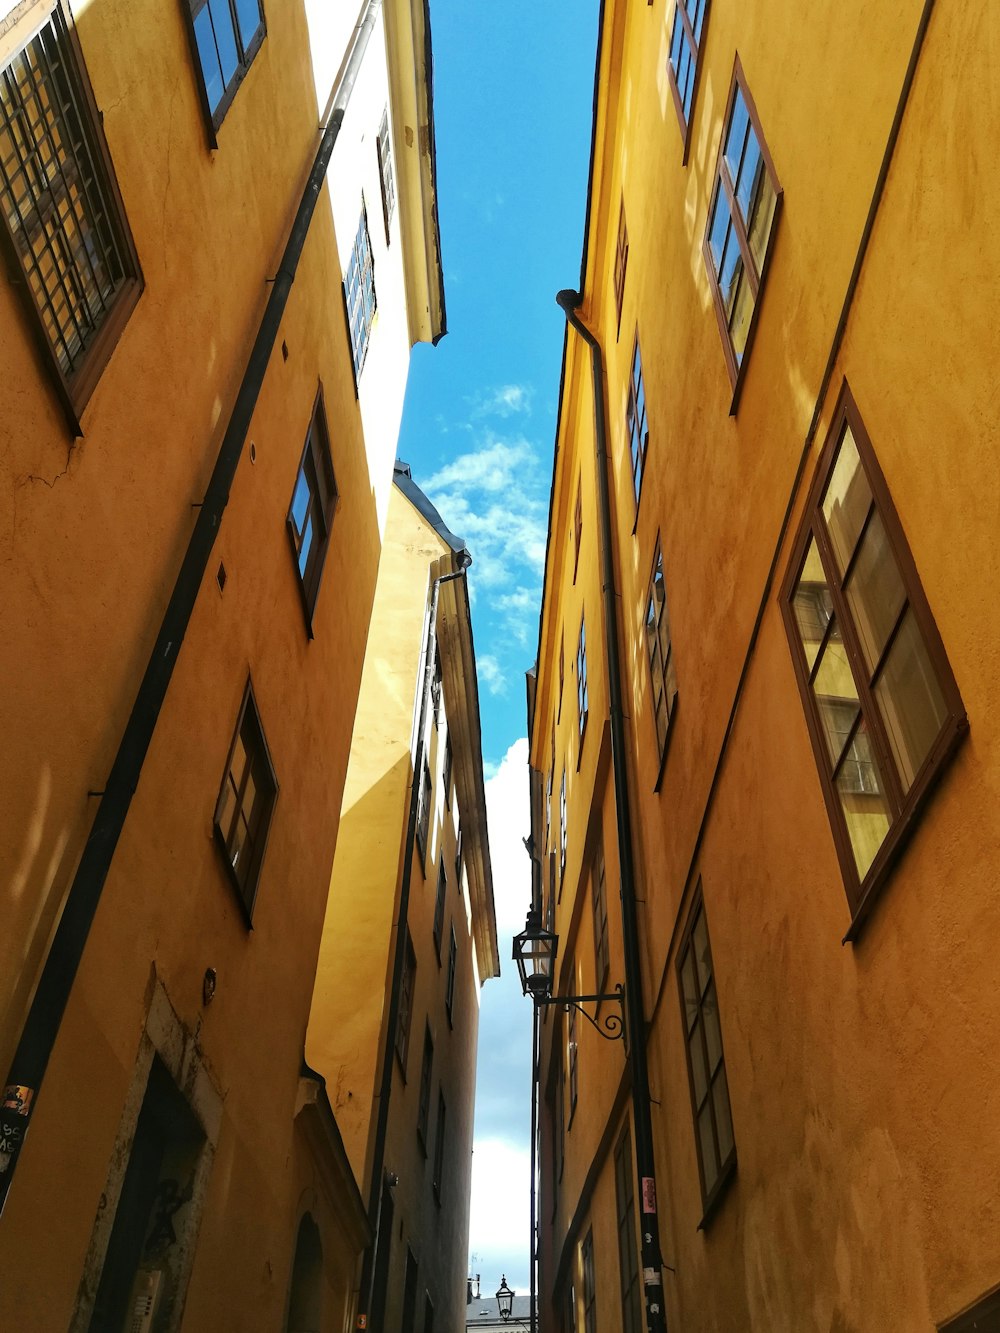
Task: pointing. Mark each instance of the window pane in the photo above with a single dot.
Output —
(697, 9)
(676, 43)
(300, 503)
(846, 501)
(761, 217)
(713, 1034)
(739, 123)
(699, 944)
(833, 686)
(742, 312)
(730, 271)
(225, 37)
(875, 591)
(838, 717)
(239, 761)
(306, 547)
(750, 171)
(706, 1137)
(812, 604)
(723, 1115)
(910, 700)
(690, 988)
(865, 814)
(719, 228)
(211, 70)
(249, 18)
(699, 1074)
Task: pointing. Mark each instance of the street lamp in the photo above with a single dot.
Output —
(505, 1299)
(535, 950)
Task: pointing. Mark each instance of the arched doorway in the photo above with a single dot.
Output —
(305, 1297)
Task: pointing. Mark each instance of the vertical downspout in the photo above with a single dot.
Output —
(533, 1257)
(463, 559)
(636, 1021)
(52, 994)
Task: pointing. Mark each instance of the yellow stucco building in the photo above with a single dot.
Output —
(410, 931)
(762, 743)
(219, 235)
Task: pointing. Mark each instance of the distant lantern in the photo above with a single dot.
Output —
(535, 954)
(505, 1297)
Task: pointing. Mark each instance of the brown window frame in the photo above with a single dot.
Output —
(316, 469)
(90, 172)
(244, 59)
(446, 769)
(582, 693)
(424, 1094)
(562, 674)
(572, 1050)
(621, 267)
(260, 767)
(387, 179)
(628, 1249)
(756, 277)
(442, 889)
(449, 989)
(425, 799)
(577, 529)
(637, 421)
(589, 1283)
(695, 43)
(437, 1176)
(904, 805)
(711, 1191)
(972, 1319)
(404, 1016)
(563, 830)
(599, 905)
(660, 669)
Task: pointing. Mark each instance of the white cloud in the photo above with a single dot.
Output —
(508, 819)
(491, 674)
(500, 1213)
(503, 401)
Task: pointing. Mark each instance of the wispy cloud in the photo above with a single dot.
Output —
(505, 400)
(491, 673)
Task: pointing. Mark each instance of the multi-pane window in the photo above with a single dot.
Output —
(359, 292)
(563, 831)
(589, 1285)
(628, 1250)
(548, 802)
(424, 808)
(310, 515)
(385, 173)
(436, 688)
(571, 1308)
(458, 860)
(246, 802)
(449, 990)
(621, 263)
(685, 47)
(577, 530)
(740, 223)
(582, 700)
(599, 899)
(883, 706)
(663, 679)
(706, 1066)
(406, 1003)
(67, 231)
(442, 885)
(446, 770)
(438, 1175)
(635, 420)
(227, 36)
(572, 1054)
(424, 1101)
(562, 673)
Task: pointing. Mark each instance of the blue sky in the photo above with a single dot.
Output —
(513, 90)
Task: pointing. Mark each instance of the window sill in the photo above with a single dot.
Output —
(666, 744)
(246, 909)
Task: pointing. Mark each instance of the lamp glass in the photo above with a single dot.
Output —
(505, 1299)
(535, 952)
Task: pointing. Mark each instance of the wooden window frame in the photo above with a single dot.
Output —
(424, 1092)
(244, 59)
(659, 669)
(589, 1283)
(446, 769)
(696, 45)
(712, 1195)
(404, 1016)
(971, 1319)
(582, 693)
(75, 387)
(563, 830)
(632, 1296)
(449, 990)
(387, 179)
(599, 905)
(637, 421)
(437, 1176)
(862, 893)
(458, 859)
(621, 267)
(442, 889)
(577, 529)
(562, 675)
(572, 1050)
(259, 765)
(322, 506)
(425, 799)
(361, 262)
(756, 278)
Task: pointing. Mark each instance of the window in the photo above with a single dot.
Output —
(548, 803)
(446, 773)
(682, 66)
(628, 1253)
(572, 1052)
(577, 530)
(984, 1317)
(589, 1286)
(424, 1102)
(409, 1294)
(635, 417)
(662, 678)
(581, 680)
(428, 1313)
(424, 809)
(405, 1003)
(438, 1176)
(563, 835)
(599, 899)
(359, 293)
(439, 907)
(706, 1066)
(246, 802)
(227, 35)
(61, 212)
(562, 673)
(621, 264)
(449, 994)
(741, 222)
(458, 860)
(384, 149)
(883, 707)
(310, 515)
(571, 1308)
(436, 689)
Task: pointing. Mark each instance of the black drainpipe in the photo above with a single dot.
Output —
(656, 1321)
(372, 1304)
(44, 1017)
